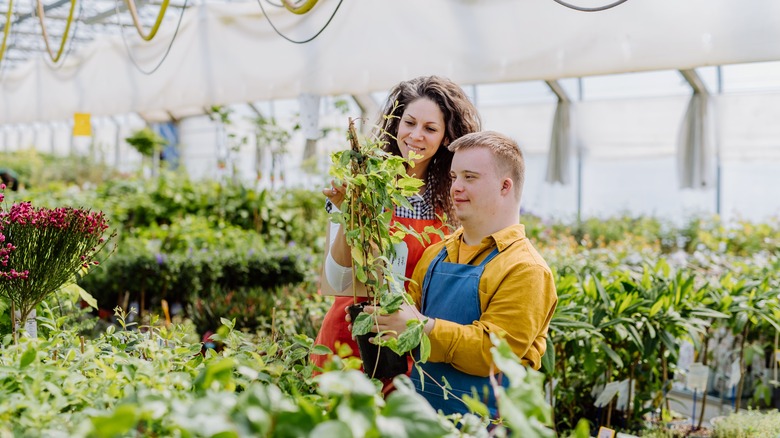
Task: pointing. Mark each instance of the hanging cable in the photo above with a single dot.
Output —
(597, 9)
(6, 29)
(299, 10)
(167, 50)
(137, 22)
(40, 13)
(260, 2)
(57, 65)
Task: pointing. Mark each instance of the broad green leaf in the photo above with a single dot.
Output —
(74, 289)
(28, 357)
(218, 370)
(475, 405)
(118, 423)
(321, 350)
(656, 307)
(425, 348)
(548, 360)
(332, 428)
(612, 355)
(408, 414)
(228, 323)
(362, 324)
(391, 302)
(410, 337)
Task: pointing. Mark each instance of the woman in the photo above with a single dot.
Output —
(422, 115)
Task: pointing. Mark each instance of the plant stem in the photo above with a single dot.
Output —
(665, 371)
(13, 323)
(704, 362)
(629, 404)
(741, 383)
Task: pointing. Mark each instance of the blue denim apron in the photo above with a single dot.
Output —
(453, 296)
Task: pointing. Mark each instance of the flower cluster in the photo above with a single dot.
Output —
(43, 248)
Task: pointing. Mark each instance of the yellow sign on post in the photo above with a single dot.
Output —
(82, 126)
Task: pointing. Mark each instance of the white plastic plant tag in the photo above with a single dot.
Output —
(399, 266)
(605, 432)
(607, 394)
(735, 374)
(622, 400)
(698, 376)
(777, 356)
(30, 326)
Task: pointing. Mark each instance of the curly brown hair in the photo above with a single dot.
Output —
(460, 118)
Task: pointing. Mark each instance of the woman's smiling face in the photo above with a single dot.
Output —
(421, 130)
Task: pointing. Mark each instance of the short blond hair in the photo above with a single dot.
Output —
(507, 155)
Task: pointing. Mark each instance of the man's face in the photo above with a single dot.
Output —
(476, 186)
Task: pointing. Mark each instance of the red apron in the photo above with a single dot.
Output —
(334, 328)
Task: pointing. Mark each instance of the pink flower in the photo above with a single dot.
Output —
(30, 269)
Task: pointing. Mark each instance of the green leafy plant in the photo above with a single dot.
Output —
(146, 141)
(752, 424)
(376, 182)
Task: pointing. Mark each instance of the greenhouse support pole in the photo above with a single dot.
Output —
(52, 135)
(580, 96)
(117, 141)
(718, 170)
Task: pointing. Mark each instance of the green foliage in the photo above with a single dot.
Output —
(628, 301)
(134, 273)
(150, 381)
(44, 249)
(146, 141)
(46, 171)
(376, 182)
(748, 424)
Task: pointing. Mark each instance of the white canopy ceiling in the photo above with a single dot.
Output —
(228, 53)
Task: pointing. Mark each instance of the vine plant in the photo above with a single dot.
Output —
(377, 182)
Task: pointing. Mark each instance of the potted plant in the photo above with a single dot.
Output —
(376, 183)
(42, 249)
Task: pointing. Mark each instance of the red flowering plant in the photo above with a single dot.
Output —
(41, 249)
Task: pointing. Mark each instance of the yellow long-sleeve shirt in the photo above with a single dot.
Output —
(516, 294)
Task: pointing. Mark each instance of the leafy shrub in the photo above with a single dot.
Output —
(748, 424)
(147, 278)
(42, 170)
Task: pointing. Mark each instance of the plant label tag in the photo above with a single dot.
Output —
(736, 371)
(777, 356)
(605, 432)
(698, 376)
(607, 394)
(399, 266)
(30, 325)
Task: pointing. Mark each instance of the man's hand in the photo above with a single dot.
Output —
(395, 323)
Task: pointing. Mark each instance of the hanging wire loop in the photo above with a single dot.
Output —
(300, 10)
(596, 9)
(137, 22)
(40, 13)
(6, 29)
(265, 14)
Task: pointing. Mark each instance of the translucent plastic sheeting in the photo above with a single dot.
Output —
(228, 53)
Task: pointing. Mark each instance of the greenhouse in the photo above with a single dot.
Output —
(185, 180)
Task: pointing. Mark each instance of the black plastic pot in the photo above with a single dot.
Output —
(389, 364)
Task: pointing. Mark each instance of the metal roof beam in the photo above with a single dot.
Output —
(366, 103)
(695, 81)
(556, 88)
(46, 8)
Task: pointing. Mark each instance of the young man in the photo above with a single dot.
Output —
(485, 278)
